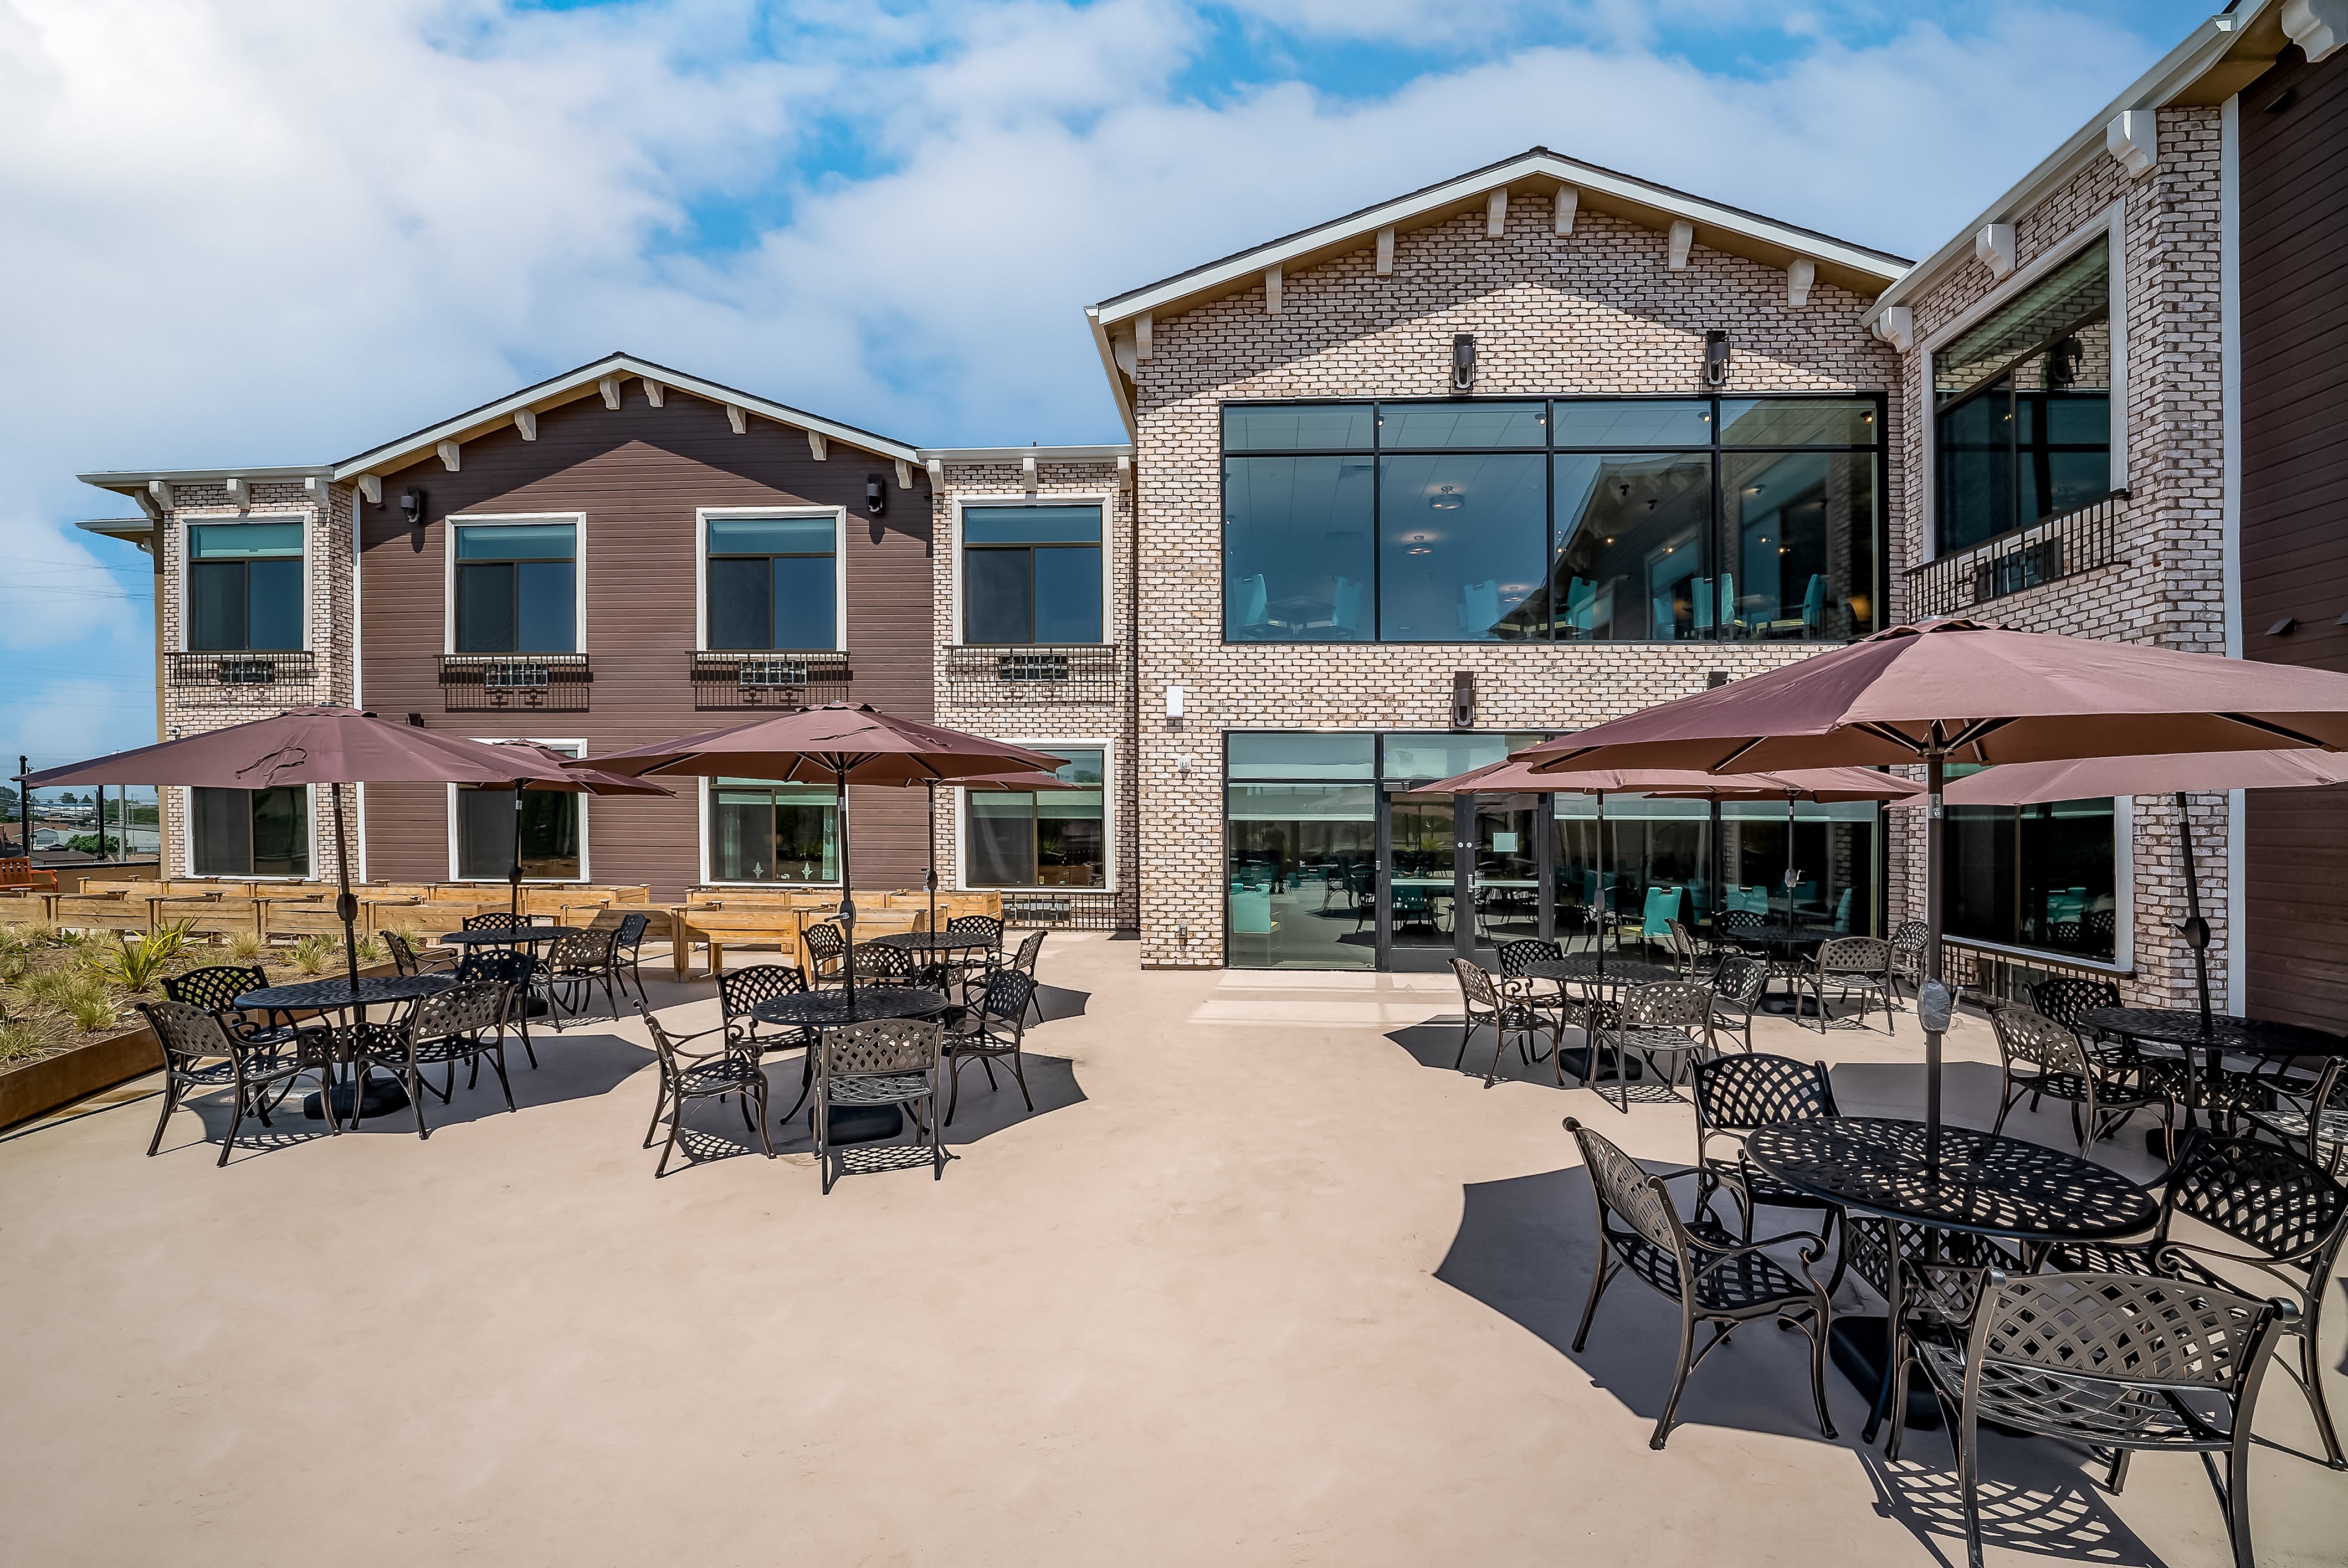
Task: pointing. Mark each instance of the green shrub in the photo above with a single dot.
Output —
(246, 948)
(20, 1038)
(91, 1007)
(136, 965)
(50, 986)
(313, 955)
(368, 949)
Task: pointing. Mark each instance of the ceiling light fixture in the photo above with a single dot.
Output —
(1448, 499)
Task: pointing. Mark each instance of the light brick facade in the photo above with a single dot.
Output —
(1597, 311)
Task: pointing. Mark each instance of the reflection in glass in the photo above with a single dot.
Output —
(1422, 886)
(1298, 881)
(251, 833)
(1633, 422)
(244, 586)
(1796, 422)
(1287, 755)
(1428, 755)
(2040, 877)
(1834, 862)
(1456, 426)
(1299, 428)
(550, 834)
(1630, 564)
(1800, 537)
(1031, 574)
(1506, 871)
(517, 586)
(761, 831)
(1297, 548)
(772, 583)
(1460, 540)
(1649, 868)
(1042, 838)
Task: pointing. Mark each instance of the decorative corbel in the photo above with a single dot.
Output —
(1897, 326)
(609, 385)
(371, 487)
(738, 418)
(448, 455)
(1994, 248)
(1800, 274)
(1385, 250)
(2133, 139)
(1496, 213)
(1682, 240)
(904, 475)
(1271, 291)
(526, 421)
(654, 392)
(1569, 202)
(818, 447)
(239, 494)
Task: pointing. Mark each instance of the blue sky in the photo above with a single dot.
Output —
(273, 231)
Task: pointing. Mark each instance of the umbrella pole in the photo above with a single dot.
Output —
(346, 909)
(513, 872)
(931, 881)
(1605, 886)
(2197, 929)
(1933, 844)
(847, 898)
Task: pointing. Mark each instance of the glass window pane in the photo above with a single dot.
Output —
(1299, 874)
(546, 618)
(2073, 295)
(1441, 755)
(1800, 546)
(485, 609)
(1083, 766)
(222, 823)
(1067, 594)
(516, 541)
(998, 596)
(1031, 526)
(550, 834)
(1460, 543)
(1973, 451)
(771, 535)
(1295, 757)
(1001, 848)
(761, 832)
(739, 603)
(806, 602)
(1299, 428)
(1833, 860)
(273, 605)
(1457, 425)
(1651, 862)
(216, 606)
(243, 541)
(1796, 422)
(1632, 422)
(280, 831)
(1297, 549)
(1630, 564)
(485, 832)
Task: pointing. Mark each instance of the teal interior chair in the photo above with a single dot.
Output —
(1480, 608)
(1814, 606)
(1250, 604)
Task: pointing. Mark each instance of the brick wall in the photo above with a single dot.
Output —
(1597, 311)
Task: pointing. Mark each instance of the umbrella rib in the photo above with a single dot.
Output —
(1728, 764)
(1973, 733)
(2271, 729)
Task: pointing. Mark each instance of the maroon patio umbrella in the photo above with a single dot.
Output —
(837, 743)
(2175, 773)
(330, 746)
(561, 778)
(1958, 690)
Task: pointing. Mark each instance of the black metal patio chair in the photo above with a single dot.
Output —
(578, 961)
(1738, 984)
(519, 973)
(1735, 1095)
(895, 1062)
(1852, 965)
(687, 1076)
(1484, 1004)
(201, 1057)
(466, 1024)
(990, 1032)
(2040, 1057)
(628, 951)
(407, 960)
(1667, 1018)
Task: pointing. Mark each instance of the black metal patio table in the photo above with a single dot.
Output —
(1985, 1184)
(1786, 946)
(509, 936)
(1582, 969)
(936, 946)
(2184, 1029)
(337, 995)
(830, 1009)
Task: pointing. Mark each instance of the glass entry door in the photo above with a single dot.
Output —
(1504, 871)
(1420, 891)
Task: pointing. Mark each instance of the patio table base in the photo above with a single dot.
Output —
(864, 1123)
(384, 1096)
(1858, 1346)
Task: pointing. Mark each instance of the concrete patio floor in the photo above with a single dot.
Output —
(1262, 1281)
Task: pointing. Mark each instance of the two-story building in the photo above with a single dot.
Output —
(1525, 450)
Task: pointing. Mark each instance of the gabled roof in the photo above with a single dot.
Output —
(574, 385)
(1538, 171)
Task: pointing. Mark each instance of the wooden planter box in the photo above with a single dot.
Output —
(39, 1087)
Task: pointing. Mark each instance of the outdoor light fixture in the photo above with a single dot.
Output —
(411, 507)
(1715, 358)
(1463, 700)
(1463, 362)
(876, 494)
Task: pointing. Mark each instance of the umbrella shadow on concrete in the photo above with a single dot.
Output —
(2036, 1497)
(1436, 1044)
(1060, 1003)
(982, 1110)
(573, 1065)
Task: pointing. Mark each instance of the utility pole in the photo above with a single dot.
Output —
(23, 810)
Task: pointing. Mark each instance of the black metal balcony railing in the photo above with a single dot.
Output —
(2078, 540)
(538, 683)
(1065, 672)
(240, 677)
(776, 681)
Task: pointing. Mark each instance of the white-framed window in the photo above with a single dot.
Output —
(260, 834)
(772, 579)
(764, 832)
(552, 824)
(1056, 839)
(245, 584)
(1033, 570)
(517, 583)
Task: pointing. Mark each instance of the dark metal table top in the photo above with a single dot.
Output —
(929, 941)
(1782, 935)
(2182, 1027)
(329, 995)
(509, 936)
(1998, 1186)
(828, 1008)
(1581, 968)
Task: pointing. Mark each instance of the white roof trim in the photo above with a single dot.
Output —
(1249, 265)
(2202, 49)
(568, 386)
(1101, 454)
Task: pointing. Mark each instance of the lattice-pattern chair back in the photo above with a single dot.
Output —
(1870, 1245)
(1475, 986)
(1741, 978)
(2137, 1330)
(1030, 946)
(2264, 1196)
(189, 1031)
(889, 1045)
(1008, 992)
(1625, 1191)
(883, 963)
(1670, 1004)
(583, 950)
(461, 1009)
(823, 942)
(739, 990)
(2030, 1038)
(1909, 939)
(986, 926)
(1738, 1093)
(1732, 922)
(403, 956)
(1855, 956)
(631, 930)
(2066, 998)
(215, 987)
(1521, 953)
(2100, 926)
(507, 967)
(496, 920)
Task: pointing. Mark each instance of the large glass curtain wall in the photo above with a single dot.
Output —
(1607, 520)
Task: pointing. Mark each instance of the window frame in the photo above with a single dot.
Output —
(578, 520)
(702, 517)
(2109, 225)
(2123, 959)
(187, 856)
(705, 804)
(1106, 500)
(1718, 450)
(578, 748)
(183, 558)
(1051, 746)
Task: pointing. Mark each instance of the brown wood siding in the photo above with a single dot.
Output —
(2295, 544)
(637, 474)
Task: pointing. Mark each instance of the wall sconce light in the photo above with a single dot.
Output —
(1463, 700)
(1715, 358)
(1463, 362)
(1173, 702)
(411, 507)
(415, 720)
(876, 494)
